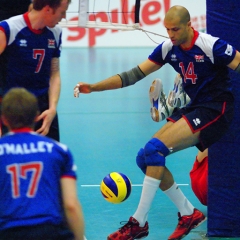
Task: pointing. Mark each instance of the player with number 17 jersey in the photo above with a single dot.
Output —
(32, 178)
(37, 48)
(201, 66)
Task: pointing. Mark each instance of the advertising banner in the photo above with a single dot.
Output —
(152, 13)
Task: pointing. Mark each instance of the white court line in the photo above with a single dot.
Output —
(133, 185)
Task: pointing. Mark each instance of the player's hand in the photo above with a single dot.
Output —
(81, 88)
(47, 117)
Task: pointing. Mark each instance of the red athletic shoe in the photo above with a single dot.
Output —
(186, 224)
(130, 231)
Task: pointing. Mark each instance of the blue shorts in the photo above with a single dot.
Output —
(212, 119)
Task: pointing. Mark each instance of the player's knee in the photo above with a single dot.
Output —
(140, 160)
(152, 150)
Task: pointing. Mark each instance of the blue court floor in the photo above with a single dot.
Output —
(105, 130)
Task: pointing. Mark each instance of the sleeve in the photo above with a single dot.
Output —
(223, 52)
(156, 55)
(159, 54)
(69, 168)
(57, 33)
(58, 43)
(57, 53)
(5, 28)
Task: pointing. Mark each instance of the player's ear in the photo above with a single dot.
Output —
(4, 120)
(30, 7)
(47, 9)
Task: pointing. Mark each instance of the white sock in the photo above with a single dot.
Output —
(150, 187)
(179, 199)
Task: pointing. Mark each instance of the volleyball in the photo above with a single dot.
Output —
(116, 187)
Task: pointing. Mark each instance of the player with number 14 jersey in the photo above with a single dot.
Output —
(200, 66)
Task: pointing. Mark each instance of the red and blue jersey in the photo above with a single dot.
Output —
(203, 66)
(31, 167)
(28, 54)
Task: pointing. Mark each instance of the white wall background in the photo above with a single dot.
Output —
(151, 18)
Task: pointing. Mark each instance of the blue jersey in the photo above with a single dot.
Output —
(31, 167)
(203, 66)
(28, 55)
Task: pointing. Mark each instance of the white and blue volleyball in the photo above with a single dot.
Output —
(116, 187)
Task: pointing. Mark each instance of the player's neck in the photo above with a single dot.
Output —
(188, 43)
(36, 20)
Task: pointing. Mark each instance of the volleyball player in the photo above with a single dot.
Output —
(202, 61)
(38, 197)
(30, 46)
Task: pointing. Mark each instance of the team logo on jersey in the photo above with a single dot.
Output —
(196, 121)
(51, 43)
(23, 43)
(199, 58)
(229, 50)
(173, 57)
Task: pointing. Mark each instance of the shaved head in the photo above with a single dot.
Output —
(179, 12)
(178, 25)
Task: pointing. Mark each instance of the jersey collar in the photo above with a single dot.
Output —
(26, 18)
(22, 130)
(195, 36)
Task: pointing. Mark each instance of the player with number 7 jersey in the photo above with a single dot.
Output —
(30, 46)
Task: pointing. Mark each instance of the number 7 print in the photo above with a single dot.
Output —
(41, 54)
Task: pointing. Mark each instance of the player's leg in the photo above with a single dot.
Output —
(137, 224)
(168, 185)
(186, 127)
(159, 111)
(154, 154)
(178, 98)
(182, 133)
(199, 176)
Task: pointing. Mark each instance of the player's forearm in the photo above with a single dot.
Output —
(75, 221)
(54, 84)
(111, 83)
(54, 91)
